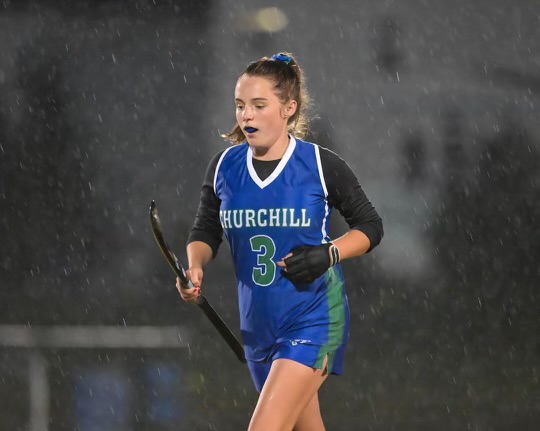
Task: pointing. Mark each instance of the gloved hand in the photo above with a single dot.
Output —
(307, 263)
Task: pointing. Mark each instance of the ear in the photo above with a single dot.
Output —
(289, 108)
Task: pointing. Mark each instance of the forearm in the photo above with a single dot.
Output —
(199, 254)
(353, 244)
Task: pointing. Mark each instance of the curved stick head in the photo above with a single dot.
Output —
(165, 249)
(154, 217)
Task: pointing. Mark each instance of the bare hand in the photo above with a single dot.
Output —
(282, 263)
(191, 294)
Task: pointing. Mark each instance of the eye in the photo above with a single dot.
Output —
(239, 107)
(259, 106)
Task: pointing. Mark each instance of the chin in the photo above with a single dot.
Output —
(254, 142)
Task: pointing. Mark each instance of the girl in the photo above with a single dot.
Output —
(272, 194)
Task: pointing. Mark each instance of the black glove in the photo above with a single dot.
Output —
(308, 263)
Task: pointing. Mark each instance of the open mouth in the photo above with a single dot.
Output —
(250, 129)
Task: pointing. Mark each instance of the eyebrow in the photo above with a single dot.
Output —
(253, 100)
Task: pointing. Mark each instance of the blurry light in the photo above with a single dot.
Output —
(271, 19)
(266, 20)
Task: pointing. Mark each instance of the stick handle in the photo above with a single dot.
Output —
(212, 315)
(201, 302)
(222, 328)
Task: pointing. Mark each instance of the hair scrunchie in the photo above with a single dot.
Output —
(282, 57)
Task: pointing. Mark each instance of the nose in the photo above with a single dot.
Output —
(247, 114)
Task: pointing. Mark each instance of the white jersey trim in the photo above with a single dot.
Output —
(321, 173)
(279, 168)
(218, 166)
(325, 190)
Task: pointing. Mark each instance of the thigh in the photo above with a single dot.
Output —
(289, 388)
(310, 419)
(259, 373)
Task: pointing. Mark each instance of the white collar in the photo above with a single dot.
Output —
(281, 165)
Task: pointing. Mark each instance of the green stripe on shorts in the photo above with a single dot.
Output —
(336, 310)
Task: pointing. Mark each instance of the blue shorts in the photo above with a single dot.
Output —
(311, 355)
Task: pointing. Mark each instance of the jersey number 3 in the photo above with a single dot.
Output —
(265, 271)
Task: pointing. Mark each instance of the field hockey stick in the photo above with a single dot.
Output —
(201, 301)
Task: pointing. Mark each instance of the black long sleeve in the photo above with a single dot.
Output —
(207, 227)
(344, 193)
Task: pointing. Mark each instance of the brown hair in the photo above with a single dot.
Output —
(288, 78)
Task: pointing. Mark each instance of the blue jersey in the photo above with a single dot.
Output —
(263, 221)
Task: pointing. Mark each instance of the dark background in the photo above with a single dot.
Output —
(106, 105)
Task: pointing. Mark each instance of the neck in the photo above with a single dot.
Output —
(276, 151)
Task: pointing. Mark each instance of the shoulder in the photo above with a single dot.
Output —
(306, 148)
(234, 151)
(332, 163)
(325, 153)
(330, 156)
(328, 159)
(335, 170)
(228, 152)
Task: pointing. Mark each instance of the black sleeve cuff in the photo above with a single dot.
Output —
(374, 231)
(212, 241)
